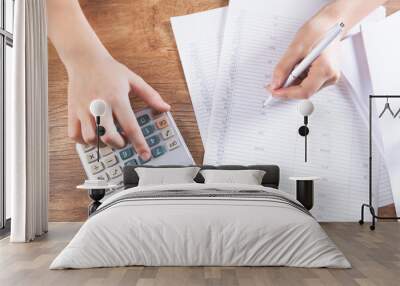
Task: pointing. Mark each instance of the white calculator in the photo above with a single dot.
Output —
(163, 137)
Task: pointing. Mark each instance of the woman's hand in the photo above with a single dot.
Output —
(111, 81)
(324, 70)
(94, 74)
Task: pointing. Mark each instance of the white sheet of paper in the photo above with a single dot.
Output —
(382, 48)
(198, 37)
(355, 70)
(242, 132)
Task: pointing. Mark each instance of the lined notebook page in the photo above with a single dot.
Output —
(198, 37)
(241, 131)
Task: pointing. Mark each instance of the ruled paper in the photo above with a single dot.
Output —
(198, 37)
(242, 132)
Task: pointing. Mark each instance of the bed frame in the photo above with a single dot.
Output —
(270, 179)
(131, 178)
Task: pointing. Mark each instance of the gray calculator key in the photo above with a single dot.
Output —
(114, 172)
(143, 120)
(172, 144)
(153, 140)
(105, 151)
(96, 167)
(126, 154)
(88, 148)
(91, 156)
(167, 133)
(147, 130)
(158, 151)
(103, 177)
(132, 162)
(110, 161)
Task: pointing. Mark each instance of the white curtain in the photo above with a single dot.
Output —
(27, 124)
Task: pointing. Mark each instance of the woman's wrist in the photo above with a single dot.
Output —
(350, 12)
(81, 58)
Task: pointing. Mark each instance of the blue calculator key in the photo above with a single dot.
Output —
(153, 140)
(143, 161)
(143, 120)
(132, 162)
(148, 130)
(158, 151)
(126, 154)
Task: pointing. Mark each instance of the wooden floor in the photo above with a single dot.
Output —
(375, 257)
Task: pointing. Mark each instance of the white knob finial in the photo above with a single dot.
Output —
(98, 107)
(306, 107)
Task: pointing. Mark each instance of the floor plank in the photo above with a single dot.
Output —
(374, 255)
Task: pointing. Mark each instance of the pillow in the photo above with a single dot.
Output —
(166, 176)
(248, 177)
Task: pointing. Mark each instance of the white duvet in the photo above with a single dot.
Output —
(200, 231)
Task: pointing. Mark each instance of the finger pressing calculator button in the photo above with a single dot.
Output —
(161, 122)
(143, 120)
(96, 168)
(110, 161)
(132, 162)
(147, 130)
(88, 148)
(172, 144)
(142, 161)
(158, 151)
(105, 151)
(92, 156)
(153, 140)
(114, 172)
(126, 154)
(167, 133)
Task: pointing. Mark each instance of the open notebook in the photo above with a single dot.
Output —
(240, 131)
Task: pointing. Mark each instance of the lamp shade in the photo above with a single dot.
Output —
(306, 107)
(98, 107)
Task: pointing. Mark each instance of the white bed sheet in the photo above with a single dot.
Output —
(200, 231)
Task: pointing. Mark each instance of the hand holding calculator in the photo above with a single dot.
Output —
(163, 137)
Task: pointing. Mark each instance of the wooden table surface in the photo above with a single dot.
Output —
(138, 34)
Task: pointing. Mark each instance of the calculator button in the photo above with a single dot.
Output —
(92, 156)
(172, 144)
(126, 154)
(103, 177)
(96, 168)
(143, 120)
(132, 162)
(110, 161)
(161, 122)
(156, 113)
(105, 151)
(147, 130)
(114, 172)
(167, 133)
(158, 151)
(153, 140)
(88, 148)
(142, 161)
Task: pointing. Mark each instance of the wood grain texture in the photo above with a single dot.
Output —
(375, 258)
(138, 34)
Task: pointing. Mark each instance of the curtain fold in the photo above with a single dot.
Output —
(28, 129)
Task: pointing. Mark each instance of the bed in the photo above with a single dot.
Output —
(199, 224)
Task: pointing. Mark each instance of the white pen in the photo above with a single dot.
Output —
(330, 36)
